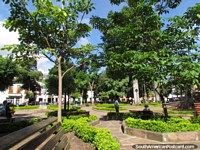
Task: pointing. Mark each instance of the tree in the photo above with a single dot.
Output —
(139, 45)
(28, 74)
(68, 81)
(7, 72)
(111, 88)
(50, 29)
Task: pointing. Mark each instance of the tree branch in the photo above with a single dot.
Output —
(68, 70)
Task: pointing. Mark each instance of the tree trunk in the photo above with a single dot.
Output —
(65, 102)
(91, 89)
(163, 103)
(59, 90)
(157, 96)
(68, 103)
(145, 93)
(136, 91)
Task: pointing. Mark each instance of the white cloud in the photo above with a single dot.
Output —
(7, 37)
(83, 41)
(44, 64)
(86, 20)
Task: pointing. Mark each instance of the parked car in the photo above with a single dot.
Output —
(33, 103)
(2, 110)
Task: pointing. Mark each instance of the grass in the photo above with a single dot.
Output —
(109, 107)
(150, 104)
(26, 107)
(180, 111)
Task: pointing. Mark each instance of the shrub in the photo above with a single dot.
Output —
(11, 127)
(101, 138)
(108, 107)
(195, 120)
(173, 124)
(104, 141)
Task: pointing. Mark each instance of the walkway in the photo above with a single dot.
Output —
(127, 141)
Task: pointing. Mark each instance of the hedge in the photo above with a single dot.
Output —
(173, 124)
(100, 138)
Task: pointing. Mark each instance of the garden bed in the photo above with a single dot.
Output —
(162, 137)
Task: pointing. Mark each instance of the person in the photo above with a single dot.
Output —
(116, 104)
(147, 113)
(7, 110)
(146, 108)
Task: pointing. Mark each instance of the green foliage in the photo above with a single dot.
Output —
(7, 72)
(27, 107)
(52, 107)
(11, 127)
(68, 113)
(195, 120)
(138, 43)
(51, 30)
(173, 124)
(68, 80)
(101, 138)
(89, 119)
(104, 141)
(109, 107)
(180, 112)
(150, 104)
(30, 95)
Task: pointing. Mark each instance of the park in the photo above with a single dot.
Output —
(138, 85)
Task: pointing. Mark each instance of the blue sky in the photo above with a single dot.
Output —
(102, 7)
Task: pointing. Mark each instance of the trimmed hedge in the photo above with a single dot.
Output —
(100, 138)
(173, 124)
(11, 127)
(109, 107)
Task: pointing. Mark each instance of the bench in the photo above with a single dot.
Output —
(44, 135)
(4, 119)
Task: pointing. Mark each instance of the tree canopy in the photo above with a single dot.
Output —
(7, 72)
(51, 29)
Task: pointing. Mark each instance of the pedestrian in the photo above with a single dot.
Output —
(7, 110)
(116, 104)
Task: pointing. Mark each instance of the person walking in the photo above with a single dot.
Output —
(7, 110)
(116, 104)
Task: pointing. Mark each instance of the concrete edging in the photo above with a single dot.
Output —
(162, 137)
(94, 123)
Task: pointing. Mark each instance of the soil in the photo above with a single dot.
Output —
(78, 144)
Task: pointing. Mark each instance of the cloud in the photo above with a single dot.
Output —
(83, 41)
(86, 20)
(7, 37)
(44, 64)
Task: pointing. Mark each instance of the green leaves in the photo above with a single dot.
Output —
(8, 70)
(173, 124)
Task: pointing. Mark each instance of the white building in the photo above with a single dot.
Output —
(14, 94)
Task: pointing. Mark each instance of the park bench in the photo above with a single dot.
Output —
(44, 135)
(4, 119)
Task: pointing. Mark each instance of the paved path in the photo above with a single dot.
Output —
(29, 114)
(127, 141)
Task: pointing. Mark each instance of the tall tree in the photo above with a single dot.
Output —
(8, 71)
(138, 45)
(111, 88)
(52, 28)
(68, 81)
